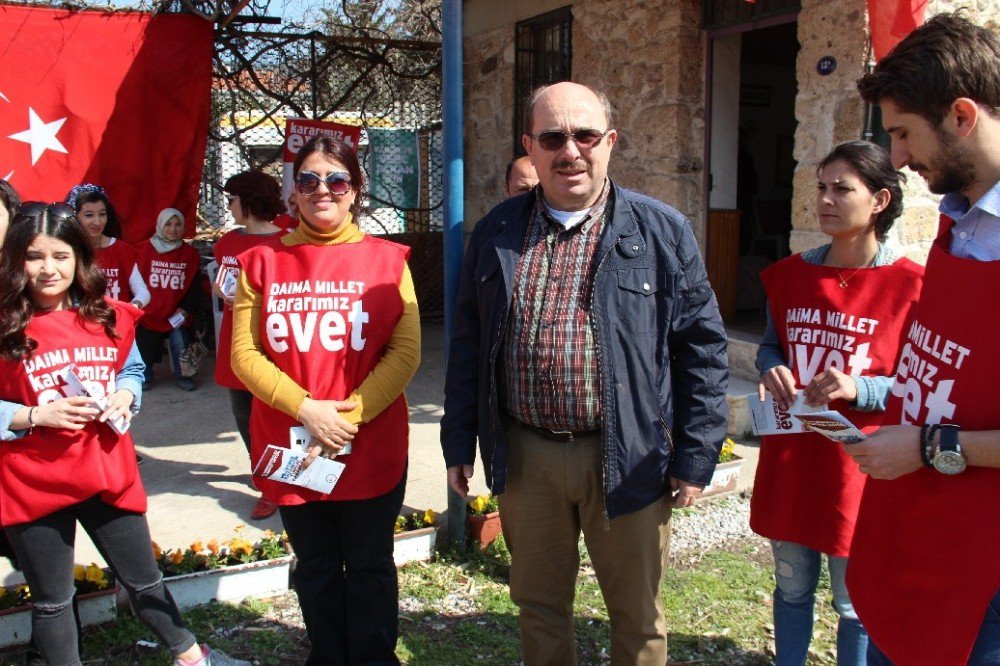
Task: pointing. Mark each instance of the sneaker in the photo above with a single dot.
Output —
(264, 508)
(212, 657)
(185, 384)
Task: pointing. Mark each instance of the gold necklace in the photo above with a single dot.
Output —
(844, 281)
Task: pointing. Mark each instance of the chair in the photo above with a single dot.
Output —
(217, 303)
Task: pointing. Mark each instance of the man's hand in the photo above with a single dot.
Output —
(684, 493)
(458, 479)
(830, 385)
(888, 453)
(781, 384)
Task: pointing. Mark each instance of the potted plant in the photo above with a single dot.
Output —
(415, 536)
(727, 471)
(231, 571)
(96, 601)
(482, 520)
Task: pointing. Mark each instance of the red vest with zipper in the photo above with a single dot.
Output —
(327, 313)
(807, 489)
(926, 555)
(49, 468)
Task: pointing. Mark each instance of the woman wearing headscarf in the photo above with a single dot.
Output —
(169, 266)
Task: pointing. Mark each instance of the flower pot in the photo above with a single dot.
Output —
(483, 529)
(94, 608)
(414, 545)
(233, 583)
(725, 478)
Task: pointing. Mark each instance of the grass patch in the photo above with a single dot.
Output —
(457, 611)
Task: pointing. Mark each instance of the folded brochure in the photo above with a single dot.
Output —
(768, 419)
(287, 465)
(74, 386)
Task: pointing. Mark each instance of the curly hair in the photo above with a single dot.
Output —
(259, 193)
(86, 291)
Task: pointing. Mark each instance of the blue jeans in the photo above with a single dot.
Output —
(796, 575)
(985, 651)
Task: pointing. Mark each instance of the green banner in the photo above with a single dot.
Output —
(395, 168)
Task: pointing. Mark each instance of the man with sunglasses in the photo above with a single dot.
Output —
(589, 359)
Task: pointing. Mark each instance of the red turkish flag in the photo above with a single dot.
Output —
(892, 20)
(119, 99)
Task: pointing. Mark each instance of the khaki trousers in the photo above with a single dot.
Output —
(553, 491)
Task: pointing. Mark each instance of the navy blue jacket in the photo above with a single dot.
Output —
(661, 350)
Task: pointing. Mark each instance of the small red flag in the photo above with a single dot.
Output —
(892, 20)
(120, 99)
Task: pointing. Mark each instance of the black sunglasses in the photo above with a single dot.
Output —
(39, 208)
(554, 140)
(338, 183)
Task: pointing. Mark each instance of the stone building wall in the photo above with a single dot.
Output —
(829, 111)
(649, 60)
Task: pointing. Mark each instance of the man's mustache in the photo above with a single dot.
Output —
(572, 164)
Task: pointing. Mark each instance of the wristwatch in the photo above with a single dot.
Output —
(949, 458)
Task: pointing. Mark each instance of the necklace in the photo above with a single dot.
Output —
(844, 280)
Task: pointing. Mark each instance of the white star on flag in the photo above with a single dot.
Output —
(40, 135)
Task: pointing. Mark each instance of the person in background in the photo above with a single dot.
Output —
(924, 573)
(9, 203)
(520, 178)
(71, 465)
(807, 489)
(169, 267)
(254, 201)
(288, 221)
(115, 257)
(343, 381)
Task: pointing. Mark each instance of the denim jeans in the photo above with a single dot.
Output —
(45, 550)
(985, 651)
(151, 347)
(345, 577)
(796, 575)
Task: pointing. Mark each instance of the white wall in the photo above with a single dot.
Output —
(725, 121)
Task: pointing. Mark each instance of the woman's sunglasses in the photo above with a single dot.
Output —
(554, 140)
(338, 183)
(38, 208)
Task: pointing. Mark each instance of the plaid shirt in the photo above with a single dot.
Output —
(550, 357)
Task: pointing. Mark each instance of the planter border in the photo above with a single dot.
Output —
(414, 545)
(725, 478)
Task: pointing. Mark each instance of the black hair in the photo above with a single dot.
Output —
(873, 166)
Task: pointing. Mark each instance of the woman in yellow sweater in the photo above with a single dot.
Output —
(326, 335)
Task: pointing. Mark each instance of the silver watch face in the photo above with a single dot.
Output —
(949, 462)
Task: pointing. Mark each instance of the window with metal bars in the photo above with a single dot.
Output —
(543, 54)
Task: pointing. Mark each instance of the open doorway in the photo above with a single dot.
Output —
(751, 164)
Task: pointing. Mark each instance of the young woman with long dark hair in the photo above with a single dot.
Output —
(72, 465)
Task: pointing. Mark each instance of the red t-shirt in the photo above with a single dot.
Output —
(50, 469)
(226, 250)
(168, 277)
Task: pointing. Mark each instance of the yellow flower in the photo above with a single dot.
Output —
(157, 553)
(213, 547)
(268, 534)
(400, 525)
(479, 503)
(79, 572)
(3, 592)
(239, 546)
(196, 547)
(95, 575)
(177, 557)
(430, 517)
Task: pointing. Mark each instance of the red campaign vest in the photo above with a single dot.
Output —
(117, 261)
(926, 555)
(807, 489)
(168, 277)
(50, 469)
(329, 346)
(226, 250)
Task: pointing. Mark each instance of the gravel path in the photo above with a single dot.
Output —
(712, 523)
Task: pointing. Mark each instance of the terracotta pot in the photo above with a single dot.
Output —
(483, 529)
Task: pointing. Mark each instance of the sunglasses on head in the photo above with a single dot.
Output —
(38, 208)
(583, 138)
(338, 183)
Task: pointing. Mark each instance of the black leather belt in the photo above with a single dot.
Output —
(560, 435)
